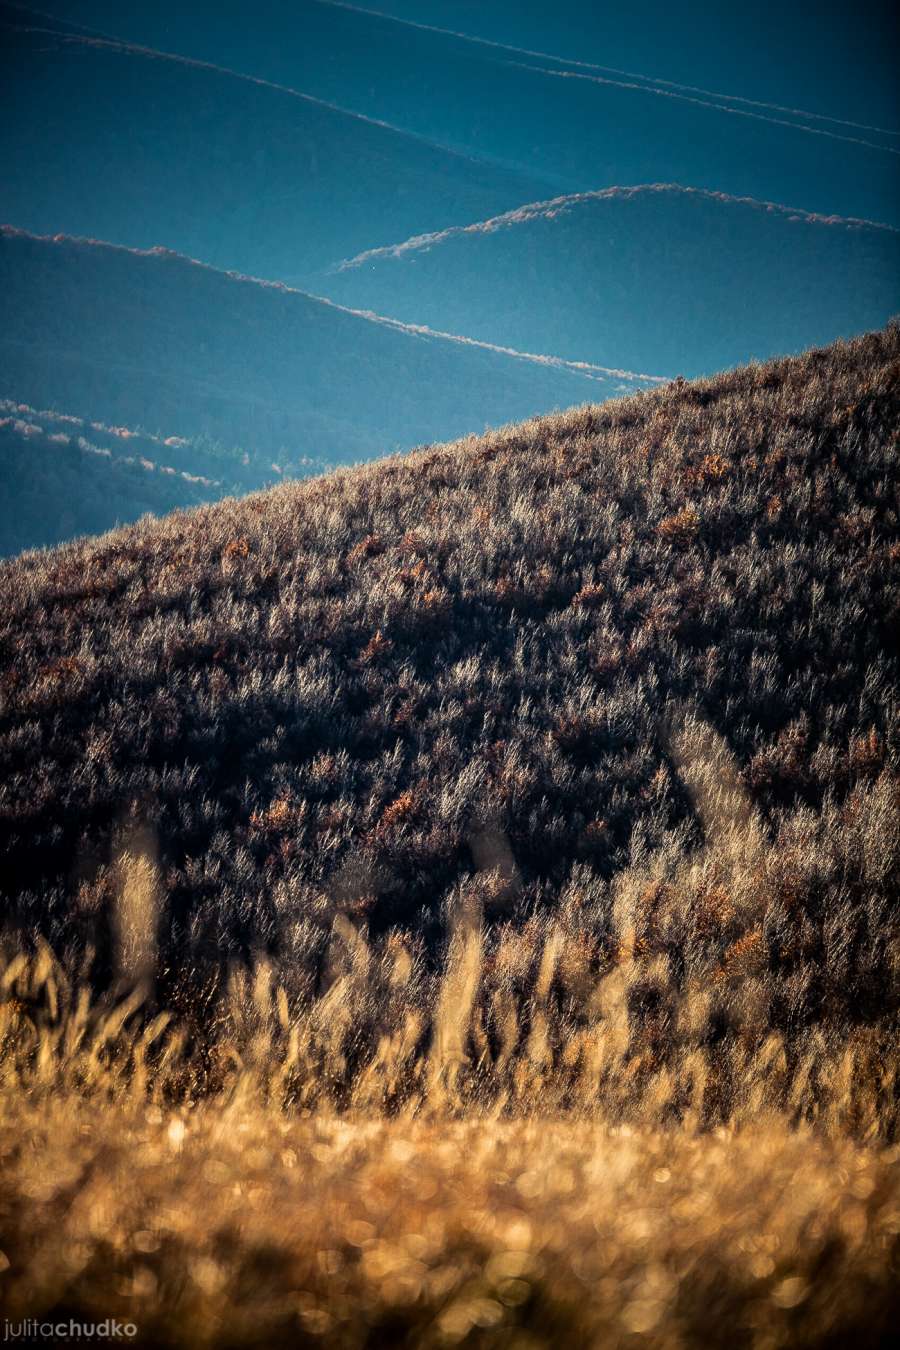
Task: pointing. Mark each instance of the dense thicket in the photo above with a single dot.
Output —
(351, 694)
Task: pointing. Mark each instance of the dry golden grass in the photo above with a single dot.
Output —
(520, 1149)
(501, 1168)
(231, 1225)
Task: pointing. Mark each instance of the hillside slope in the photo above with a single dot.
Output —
(66, 476)
(152, 339)
(677, 280)
(344, 695)
(600, 713)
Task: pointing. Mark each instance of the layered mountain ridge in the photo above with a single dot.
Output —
(682, 280)
(154, 341)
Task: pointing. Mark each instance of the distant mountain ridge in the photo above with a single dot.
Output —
(143, 147)
(679, 279)
(66, 476)
(411, 296)
(574, 125)
(63, 477)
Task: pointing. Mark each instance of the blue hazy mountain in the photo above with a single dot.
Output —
(65, 476)
(284, 139)
(103, 140)
(797, 105)
(673, 280)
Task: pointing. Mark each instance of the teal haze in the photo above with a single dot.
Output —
(642, 189)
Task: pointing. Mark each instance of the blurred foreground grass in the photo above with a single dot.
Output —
(642, 1140)
(229, 1225)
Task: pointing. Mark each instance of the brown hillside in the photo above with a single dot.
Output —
(354, 694)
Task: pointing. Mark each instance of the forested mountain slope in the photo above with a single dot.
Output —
(145, 148)
(58, 483)
(154, 340)
(66, 476)
(575, 125)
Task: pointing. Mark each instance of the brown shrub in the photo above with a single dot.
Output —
(680, 529)
(377, 649)
(713, 468)
(396, 812)
(370, 547)
(867, 754)
(590, 597)
(236, 548)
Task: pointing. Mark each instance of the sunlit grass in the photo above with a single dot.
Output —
(229, 1224)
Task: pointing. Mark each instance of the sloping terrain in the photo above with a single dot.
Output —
(142, 149)
(451, 901)
(59, 483)
(154, 340)
(679, 280)
(348, 693)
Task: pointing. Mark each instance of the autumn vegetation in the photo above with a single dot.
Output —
(454, 901)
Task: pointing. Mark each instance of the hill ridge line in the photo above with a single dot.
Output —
(13, 413)
(726, 383)
(652, 84)
(550, 206)
(649, 80)
(92, 38)
(584, 368)
(661, 92)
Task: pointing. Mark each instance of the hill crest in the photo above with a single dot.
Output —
(654, 277)
(553, 206)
